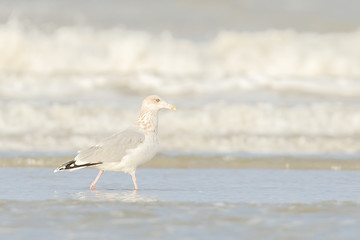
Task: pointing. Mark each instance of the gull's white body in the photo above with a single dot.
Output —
(126, 150)
(135, 157)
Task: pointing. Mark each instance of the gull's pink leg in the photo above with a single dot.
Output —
(92, 186)
(134, 181)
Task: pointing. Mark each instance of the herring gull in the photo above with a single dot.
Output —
(126, 150)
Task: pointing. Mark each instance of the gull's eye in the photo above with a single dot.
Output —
(157, 100)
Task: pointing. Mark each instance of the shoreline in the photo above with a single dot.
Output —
(184, 161)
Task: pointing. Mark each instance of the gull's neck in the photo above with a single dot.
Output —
(148, 120)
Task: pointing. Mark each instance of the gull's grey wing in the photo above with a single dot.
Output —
(113, 148)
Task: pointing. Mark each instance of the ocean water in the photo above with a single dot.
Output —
(180, 204)
(275, 91)
(66, 83)
(264, 143)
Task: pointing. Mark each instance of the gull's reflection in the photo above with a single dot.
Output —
(108, 195)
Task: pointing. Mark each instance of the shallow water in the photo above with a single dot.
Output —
(181, 204)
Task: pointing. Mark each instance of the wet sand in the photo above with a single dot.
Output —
(203, 161)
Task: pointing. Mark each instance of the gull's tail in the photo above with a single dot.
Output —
(73, 166)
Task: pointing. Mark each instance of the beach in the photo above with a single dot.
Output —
(264, 143)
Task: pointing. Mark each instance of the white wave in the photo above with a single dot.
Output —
(67, 88)
(221, 127)
(85, 58)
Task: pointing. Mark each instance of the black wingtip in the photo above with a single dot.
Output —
(72, 166)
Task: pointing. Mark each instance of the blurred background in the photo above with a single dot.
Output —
(247, 76)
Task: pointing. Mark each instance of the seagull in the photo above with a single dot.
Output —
(126, 150)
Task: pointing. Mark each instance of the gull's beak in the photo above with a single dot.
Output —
(171, 107)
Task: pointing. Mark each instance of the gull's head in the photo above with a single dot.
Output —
(155, 103)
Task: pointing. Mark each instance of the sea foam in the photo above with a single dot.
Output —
(272, 91)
